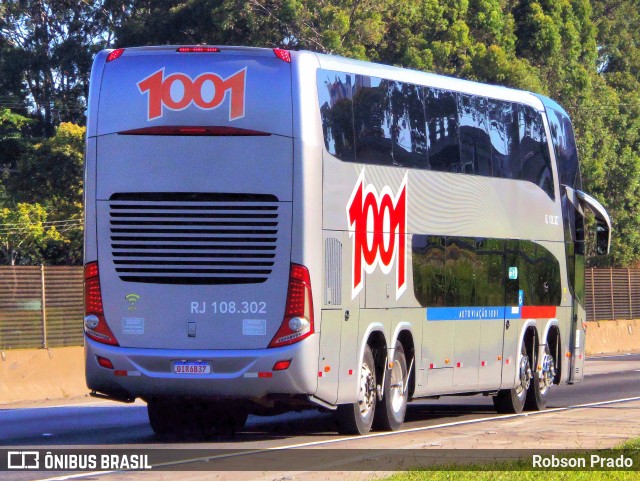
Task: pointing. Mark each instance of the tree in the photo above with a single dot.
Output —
(48, 45)
(24, 233)
(13, 144)
(52, 176)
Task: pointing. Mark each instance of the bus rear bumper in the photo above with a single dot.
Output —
(239, 374)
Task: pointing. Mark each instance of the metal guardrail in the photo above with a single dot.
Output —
(42, 307)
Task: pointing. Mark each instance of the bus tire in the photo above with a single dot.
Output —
(228, 419)
(512, 401)
(161, 417)
(391, 410)
(357, 418)
(541, 383)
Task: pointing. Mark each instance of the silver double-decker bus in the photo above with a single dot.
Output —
(270, 230)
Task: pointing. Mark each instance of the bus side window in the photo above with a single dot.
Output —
(428, 256)
(475, 146)
(442, 130)
(565, 149)
(372, 120)
(503, 131)
(335, 91)
(460, 272)
(408, 128)
(534, 150)
(490, 272)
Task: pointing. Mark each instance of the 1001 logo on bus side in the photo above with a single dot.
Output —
(207, 91)
(378, 227)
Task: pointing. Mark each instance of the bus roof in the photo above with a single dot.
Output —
(552, 104)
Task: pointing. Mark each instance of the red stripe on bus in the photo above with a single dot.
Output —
(537, 312)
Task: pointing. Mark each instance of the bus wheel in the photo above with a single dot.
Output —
(227, 419)
(542, 382)
(512, 400)
(357, 418)
(161, 417)
(391, 410)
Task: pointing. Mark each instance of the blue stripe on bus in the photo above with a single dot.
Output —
(473, 313)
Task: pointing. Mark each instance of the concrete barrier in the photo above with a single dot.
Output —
(37, 374)
(612, 337)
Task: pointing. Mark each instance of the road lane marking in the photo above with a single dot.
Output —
(352, 438)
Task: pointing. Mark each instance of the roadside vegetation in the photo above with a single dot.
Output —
(506, 471)
(583, 53)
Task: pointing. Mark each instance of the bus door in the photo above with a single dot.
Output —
(575, 252)
(511, 318)
(577, 202)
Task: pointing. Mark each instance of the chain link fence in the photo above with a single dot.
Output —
(41, 307)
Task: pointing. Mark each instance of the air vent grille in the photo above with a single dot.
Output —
(193, 238)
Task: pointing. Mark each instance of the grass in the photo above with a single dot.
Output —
(522, 469)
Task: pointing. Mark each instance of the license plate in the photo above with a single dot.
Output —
(191, 367)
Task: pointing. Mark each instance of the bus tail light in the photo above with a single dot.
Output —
(114, 54)
(282, 365)
(298, 315)
(198, 50)
(282, 54)
(104, 362)
(95, 325)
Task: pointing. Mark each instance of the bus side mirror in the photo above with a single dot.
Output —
(603, 222)
(602, 238)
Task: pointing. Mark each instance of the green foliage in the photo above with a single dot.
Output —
(13, 144)
(46, 53)
(25, 234)
(47, 176)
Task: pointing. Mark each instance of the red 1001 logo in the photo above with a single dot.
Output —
(378, 227)
(196, 91)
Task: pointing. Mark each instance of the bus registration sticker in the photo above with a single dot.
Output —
(254, 327)
(191, 367)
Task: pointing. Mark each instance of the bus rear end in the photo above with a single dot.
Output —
(191, 291)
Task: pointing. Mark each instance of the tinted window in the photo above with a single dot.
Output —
(376, 121)
(490, 271)
(460, 271)
(335, 94)
(475, 146)
(372, 119)
(565, 148)
(408, 128)
(429, 270)
(512, 254)
(534, 150)
(460, 285)
(503, 131)
(442, 130)
(539, 275)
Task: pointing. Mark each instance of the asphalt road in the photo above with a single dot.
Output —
(110, 424)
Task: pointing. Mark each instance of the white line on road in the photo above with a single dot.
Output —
(351, 438)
